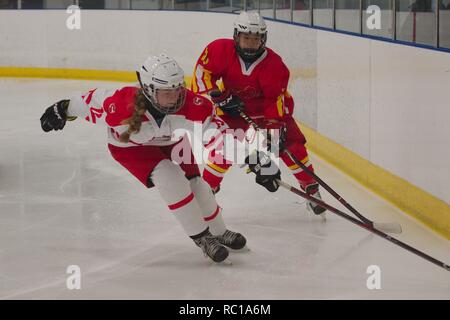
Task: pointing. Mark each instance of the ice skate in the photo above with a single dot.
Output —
(313, 190)
(233, 240)
(211, 247)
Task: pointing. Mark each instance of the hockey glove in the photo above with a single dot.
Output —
(55, 117)
(227, 102)
(266, 171)
(277, 135)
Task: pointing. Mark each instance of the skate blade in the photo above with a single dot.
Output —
(245, 249)
(322, 215)
(226, 262)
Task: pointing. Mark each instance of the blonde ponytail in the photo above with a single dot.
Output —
(135, 121)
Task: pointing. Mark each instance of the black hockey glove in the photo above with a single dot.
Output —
(266, 171)
(227, 102)
(55, 117)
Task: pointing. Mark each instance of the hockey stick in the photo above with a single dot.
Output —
(367, 226)
(386, 227)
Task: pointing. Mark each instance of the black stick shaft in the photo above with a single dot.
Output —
(313, 175)
(366, 226)
(328, 188)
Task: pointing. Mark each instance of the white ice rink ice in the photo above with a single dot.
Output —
(64, 201)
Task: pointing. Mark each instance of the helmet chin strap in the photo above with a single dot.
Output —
(142, 87)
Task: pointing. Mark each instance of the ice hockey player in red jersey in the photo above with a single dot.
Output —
(145, 125)
(255, 79)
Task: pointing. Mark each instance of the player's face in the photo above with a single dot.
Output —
(250, 41)
(169, 98)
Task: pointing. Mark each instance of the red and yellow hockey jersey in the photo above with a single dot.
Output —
(262, 86)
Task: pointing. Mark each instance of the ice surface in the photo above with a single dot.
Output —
(64, 201)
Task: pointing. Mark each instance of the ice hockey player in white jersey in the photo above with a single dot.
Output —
(142, 122)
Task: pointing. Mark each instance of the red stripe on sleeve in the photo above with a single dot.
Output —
(89, 97)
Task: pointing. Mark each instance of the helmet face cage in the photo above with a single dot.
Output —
(172, 108)
(249, 54)
(250, 23)
(162, 73)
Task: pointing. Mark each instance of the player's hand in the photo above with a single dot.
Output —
(228, 103)
(277, 135)
(55, 116)
(267, 172)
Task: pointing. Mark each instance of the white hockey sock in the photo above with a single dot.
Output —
(211, 211)
(173, 187)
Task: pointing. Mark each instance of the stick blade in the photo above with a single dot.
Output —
(388, 227)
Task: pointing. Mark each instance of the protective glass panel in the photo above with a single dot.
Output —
(323, 13)
(377, 18)
(283, 10)
(220, 5)
(58, 4)
(145, 4)
(185, 4)
(444, 24)
(347, 15)
(266, 7)
(302, 13)
(416, 21)
(117, 4)
(8, 4)
(88, 4)
(252, 5)
(32, 4)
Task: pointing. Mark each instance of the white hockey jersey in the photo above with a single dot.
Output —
(112, 107)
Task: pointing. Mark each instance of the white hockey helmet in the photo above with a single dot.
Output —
(162, 73)
(250, 23)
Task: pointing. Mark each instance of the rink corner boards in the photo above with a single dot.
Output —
(419, 204)
(412, 200)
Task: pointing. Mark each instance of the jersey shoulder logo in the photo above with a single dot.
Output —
(112, 108)
(197, 101)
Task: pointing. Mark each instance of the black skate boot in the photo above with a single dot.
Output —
(232, 240)
(313, 190)
(211, 246)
